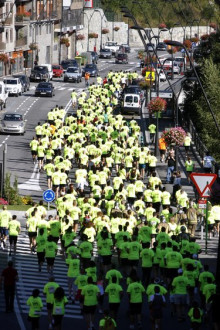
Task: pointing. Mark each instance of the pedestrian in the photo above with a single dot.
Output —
(187, 143)
(87, 76)
(192, 218)
(107, 322)
(59, 302)
(9, 276)
(189, 166)
(162, 149)
(152, 129)
(195, 315)
(90, 292)
(49, 290)
(207, 163)
(14, 228)
(35, 307)
(156, 304)
(171, 163)
(5, 217)
(135, 292)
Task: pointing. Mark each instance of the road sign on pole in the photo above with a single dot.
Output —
(48, 196)
(203, 183)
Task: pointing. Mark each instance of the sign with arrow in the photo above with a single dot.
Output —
(203, 183)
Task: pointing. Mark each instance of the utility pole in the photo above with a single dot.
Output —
(4, 165)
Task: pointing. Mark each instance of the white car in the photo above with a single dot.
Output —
(112, 45)
(13, 86)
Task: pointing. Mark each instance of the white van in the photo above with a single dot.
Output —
(50, 70)
(132, 103)
(13, 86)
(3, 95)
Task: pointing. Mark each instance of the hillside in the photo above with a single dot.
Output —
(157, 11)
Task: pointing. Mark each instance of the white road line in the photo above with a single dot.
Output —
(33, 182)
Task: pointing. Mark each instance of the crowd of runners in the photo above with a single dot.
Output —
(116, 224)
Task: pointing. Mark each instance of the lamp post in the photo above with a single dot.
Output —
(179, 44)
(88, 21)
(98, 11)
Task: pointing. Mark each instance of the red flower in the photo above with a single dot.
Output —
(156, 105)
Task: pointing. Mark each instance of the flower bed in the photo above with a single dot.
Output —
(157, 105)
(93, 35)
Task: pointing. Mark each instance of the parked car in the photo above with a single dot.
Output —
(131, 103)
(121, 58)
(161, 46)
(176, 68)
(24, 80)
(13, 86)
(91, 69)
(50, 70)
(57, 71)
(13, 123)
(45, 88)
(3, 95)
(125, 47)
(73, 74)
(67, 63)
(105, 53)
(95, 57)
(179, 61)
(150, 47)
(40, 73)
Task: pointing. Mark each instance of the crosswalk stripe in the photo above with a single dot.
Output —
(30, 277)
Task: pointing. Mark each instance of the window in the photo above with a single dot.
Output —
(11, 35)
(135, 99)
(129, 99)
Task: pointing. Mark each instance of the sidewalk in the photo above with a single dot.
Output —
(189, 188)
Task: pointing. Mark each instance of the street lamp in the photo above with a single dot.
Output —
(179, 44)
(98, 11)
(88, 21)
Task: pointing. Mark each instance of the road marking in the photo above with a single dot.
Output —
(33, 182)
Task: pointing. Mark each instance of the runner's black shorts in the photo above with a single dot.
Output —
(55, 186)
(40, 158)
(210, 227)
(89, 309)
(124, 261)
(3, 231)
(50, 261)
(34, 322)
(34, 152)
(106, 260)
(13, 239)
(55, 239)
(62, 186)
(57, 320)
(135, 308)
(49, 177)
(114, 306)
(133, 263)
(41, 256)
(32, 234)
(49, 307)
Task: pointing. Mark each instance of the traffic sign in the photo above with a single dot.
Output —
(203, 183)
(150, 76)
(48, 195)
(202, 203)
(164, 95)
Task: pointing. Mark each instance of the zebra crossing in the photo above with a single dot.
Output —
(30, 278)
(60, 88)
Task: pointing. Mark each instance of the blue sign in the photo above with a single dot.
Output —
(48, 195)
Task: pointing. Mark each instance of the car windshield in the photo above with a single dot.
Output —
(72, 70)
(40, 68)
(56, 67)
(12, 117)
(89, 66)
(11, 81)
(135, 90)
(121, 56)
(111, 43)
(22, 78)
(44, 85)
(66, 64)
(179, 59)
(105, 50)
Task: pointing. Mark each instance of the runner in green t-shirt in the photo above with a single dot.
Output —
(90, 292)
(49, 290)
(35, 307)
(14, 228)
(114, 292)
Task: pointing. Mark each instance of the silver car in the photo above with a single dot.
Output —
(105, 53)
(13, 123)
(73, 74)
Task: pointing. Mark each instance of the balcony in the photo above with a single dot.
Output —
(19, 43)
(2, 45)
(21, 20)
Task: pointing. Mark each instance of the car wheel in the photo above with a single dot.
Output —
(17, 94)
(64, 80)
(5, 104)
(51, 95)
(20, 93)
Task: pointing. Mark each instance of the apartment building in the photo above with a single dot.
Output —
(31, 31)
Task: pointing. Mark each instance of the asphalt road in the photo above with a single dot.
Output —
(19, 164)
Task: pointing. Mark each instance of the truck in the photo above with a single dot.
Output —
(113, 46)
(3, 95)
